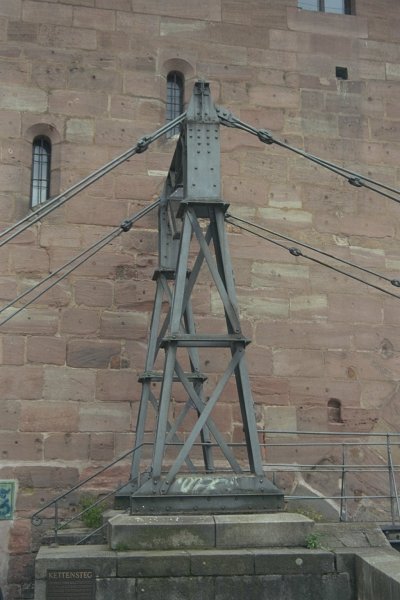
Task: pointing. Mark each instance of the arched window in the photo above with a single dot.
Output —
(175, 88)
(41, 166)
(334, 411)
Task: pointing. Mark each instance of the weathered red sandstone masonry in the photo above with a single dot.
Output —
(91, 75)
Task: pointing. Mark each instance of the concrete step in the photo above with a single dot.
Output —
(161, 532)
(73, 535)
(70, 537)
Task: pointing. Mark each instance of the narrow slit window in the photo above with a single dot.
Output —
(344, 7)
(175, 87)
(309, 4)
(41, 165)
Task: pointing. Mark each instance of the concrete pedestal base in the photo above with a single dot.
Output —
(230, 557)
(220, 557)
(220, 531)
(251, 574)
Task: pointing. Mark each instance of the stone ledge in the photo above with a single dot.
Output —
(351, 535)
(179, 563)
(262, 531)
(378, 574)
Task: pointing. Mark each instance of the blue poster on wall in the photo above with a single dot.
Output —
(6, 499)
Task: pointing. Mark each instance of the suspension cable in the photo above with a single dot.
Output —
(353, 178)
(75, 262)
(60, 199)
(298, 253)
(394, 282)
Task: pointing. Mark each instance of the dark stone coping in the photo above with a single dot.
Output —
(185, 563)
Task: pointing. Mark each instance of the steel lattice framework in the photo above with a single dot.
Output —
(192, 239)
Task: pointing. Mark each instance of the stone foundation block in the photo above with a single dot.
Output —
(153, 564)
(249, 588)
(221, 562)
(193, 588)
(116, 588)
(262, 531)
(292, 561)
(161, 532)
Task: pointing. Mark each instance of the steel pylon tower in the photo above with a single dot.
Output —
(193, 465)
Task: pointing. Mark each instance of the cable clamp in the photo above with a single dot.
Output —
(356, 181)
(126, 225)
(265, 136)
(295, 251)
(395, 282)
(225, 117)
(143, 144)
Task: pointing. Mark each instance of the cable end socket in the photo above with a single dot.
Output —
(143, 144)
(265, 136)
(395, 282)
(356, 181)
(225, 117)
(295, 251)
(126, 225)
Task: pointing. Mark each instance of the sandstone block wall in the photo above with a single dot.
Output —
(91, 75)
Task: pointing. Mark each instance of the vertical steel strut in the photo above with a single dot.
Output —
(192, 240)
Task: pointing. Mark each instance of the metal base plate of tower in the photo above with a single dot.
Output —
(195, 368)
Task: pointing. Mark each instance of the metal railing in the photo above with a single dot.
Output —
(337, 454)
(333, 451)
(57, 503)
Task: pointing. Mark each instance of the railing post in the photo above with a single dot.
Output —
(56, 523)
(393, 485)
(390, 476)
(343, 500)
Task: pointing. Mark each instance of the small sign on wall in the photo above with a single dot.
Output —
(7, 499)
(71, 584)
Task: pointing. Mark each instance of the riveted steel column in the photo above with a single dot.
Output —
(192, 220)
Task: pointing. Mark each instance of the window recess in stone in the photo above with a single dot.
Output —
(334, 411)
(342, 73)
(41, 167)
(344, 7)
(175, 89)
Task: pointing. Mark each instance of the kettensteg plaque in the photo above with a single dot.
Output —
(71, 584)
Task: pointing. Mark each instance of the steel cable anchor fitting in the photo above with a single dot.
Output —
(226, 117)
(126, 225)
(265, 136)
(356, 181)
(143, 144)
